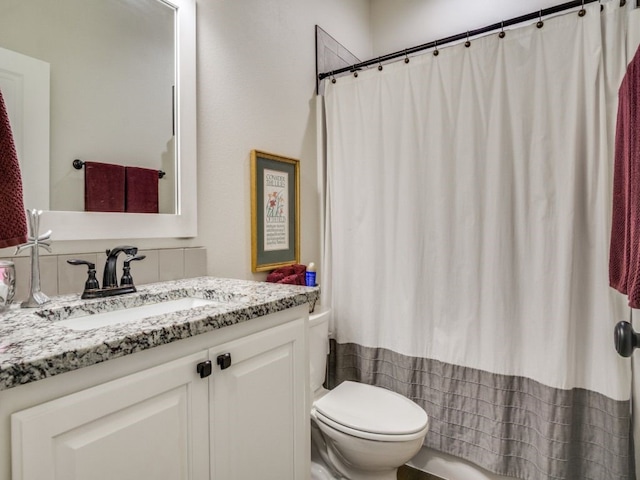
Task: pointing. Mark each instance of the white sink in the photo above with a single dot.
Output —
(104, 319)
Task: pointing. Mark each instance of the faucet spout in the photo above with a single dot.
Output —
(110, 277)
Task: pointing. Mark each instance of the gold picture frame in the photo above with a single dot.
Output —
(275, 211)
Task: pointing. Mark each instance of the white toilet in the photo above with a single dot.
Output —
(358, 431)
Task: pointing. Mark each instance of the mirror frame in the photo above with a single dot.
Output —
(184, 223)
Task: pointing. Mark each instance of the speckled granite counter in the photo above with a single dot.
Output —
(34, 346)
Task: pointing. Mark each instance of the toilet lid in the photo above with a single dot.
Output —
(372, 409)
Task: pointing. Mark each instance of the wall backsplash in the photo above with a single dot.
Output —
(57, 277)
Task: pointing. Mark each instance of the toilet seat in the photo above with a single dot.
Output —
(370, 412)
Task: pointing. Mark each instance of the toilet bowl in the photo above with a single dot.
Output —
(358, 431)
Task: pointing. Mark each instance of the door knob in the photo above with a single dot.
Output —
(625, 338)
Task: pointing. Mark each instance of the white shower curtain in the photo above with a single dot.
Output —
(468, 220)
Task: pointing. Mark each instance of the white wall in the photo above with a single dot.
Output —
(406, 23)
(256, 89)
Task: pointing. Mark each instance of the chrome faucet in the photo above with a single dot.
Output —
(110, 277)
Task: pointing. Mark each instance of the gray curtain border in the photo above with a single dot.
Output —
(508, 425)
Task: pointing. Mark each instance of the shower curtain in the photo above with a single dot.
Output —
(466, 250)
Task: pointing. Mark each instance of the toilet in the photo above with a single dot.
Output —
(358, 431)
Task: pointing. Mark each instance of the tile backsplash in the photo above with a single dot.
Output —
(57, 277)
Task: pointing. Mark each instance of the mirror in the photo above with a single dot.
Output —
(121, 79)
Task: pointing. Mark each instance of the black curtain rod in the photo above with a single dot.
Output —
(472, 33)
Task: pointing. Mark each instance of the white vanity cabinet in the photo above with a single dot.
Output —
(151, 424)
(247, 419)
(259, 417)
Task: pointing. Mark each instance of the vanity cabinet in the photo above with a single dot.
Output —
(257, 407)
(147, 425)
(245, 417)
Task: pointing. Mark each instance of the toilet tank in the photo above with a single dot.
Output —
(318, 346)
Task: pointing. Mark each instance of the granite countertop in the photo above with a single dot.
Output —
(34, 346)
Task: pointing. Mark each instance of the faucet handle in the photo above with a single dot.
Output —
(127, 279)
(76, 261)
(92, 282)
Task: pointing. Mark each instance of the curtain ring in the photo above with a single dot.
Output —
(406, 57)
(582, 11)
(379, 65)
(540, 23)
(333, 78)
(355, 73)
(502, 34)
(467, 43)
(436, 52)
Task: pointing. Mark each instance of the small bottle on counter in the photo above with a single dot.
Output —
(311, 275)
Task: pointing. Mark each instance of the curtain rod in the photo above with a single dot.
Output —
(461, 36)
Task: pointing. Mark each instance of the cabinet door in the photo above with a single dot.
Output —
(149, 425)
(259, 419)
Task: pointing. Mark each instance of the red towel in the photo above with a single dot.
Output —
(13, 219)
(291, 274)
(103, 187)
(142, 190)
(624, 255)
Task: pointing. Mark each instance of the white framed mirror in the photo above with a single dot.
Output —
(177, 40)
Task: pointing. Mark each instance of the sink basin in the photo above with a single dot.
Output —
(104, 319)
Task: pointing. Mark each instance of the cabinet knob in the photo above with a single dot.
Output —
(224, 360)
(204, 368)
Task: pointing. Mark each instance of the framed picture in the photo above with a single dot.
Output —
(275, 211)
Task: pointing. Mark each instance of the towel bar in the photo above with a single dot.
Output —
(78, 164)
